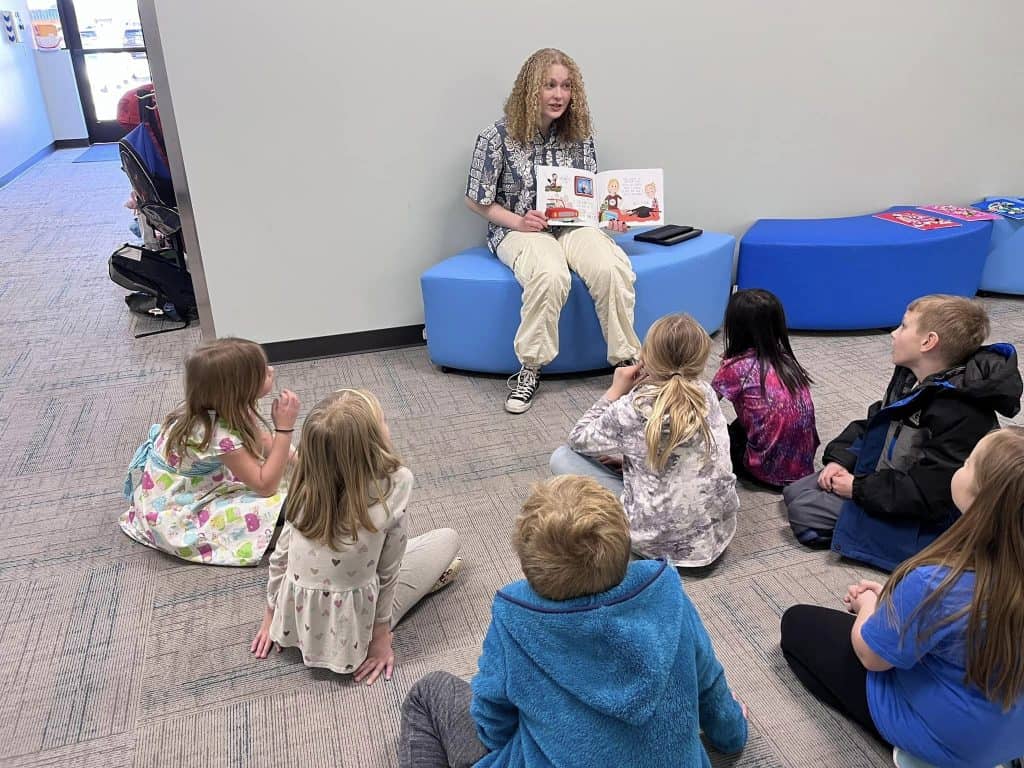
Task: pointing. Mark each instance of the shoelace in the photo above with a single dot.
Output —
(526, 383)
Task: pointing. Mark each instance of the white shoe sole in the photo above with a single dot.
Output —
(518, 406)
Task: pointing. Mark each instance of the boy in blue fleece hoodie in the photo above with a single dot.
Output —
(591, 661)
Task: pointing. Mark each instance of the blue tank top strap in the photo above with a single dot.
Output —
(146, 453)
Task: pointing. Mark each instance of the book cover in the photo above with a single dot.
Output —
(959, 212)
(919, 221)
(1008, 207)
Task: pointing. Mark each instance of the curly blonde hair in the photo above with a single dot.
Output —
(522, 107)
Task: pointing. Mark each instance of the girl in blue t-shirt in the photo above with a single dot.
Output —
(933, 663)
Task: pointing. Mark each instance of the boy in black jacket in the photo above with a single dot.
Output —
(884, 492)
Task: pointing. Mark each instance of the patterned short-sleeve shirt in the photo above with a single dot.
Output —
(502, 170)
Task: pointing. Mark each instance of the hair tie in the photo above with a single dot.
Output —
(676, 373)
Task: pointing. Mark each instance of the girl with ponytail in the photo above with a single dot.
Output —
(663, 419)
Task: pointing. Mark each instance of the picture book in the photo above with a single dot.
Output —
(571, 197)
(1010, 207)
(959, 212)
(919, 221)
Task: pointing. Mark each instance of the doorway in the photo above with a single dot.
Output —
(104, 38)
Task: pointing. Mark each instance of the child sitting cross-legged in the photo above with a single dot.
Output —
(590, 661)
(931, 662)
(884, 492)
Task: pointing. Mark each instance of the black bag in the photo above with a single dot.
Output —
(160, 274)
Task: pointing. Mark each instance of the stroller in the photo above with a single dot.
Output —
(156, 271)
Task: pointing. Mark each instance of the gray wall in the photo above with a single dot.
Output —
(326, 149)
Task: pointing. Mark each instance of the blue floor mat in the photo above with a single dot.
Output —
(99, 153)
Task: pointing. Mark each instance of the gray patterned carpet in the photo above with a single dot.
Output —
(114, 655)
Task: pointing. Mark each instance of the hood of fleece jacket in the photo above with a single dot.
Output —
(613, 652)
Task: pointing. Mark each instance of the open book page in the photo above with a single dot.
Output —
(571, 197)
(566, 196)
(634, 196)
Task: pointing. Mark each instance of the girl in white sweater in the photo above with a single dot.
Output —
(343, 572)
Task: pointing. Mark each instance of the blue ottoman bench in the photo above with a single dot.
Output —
(1004, 268)
(471, 303)
(858, 272)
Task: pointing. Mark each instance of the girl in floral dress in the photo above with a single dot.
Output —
(344, 571)
(207, 484)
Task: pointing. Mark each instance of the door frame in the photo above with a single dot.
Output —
(99, 130)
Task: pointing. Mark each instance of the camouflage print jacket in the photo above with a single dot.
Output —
(685, 513)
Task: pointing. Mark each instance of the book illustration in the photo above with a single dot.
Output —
(574, 197)
(959, 212)
(917, 221)
(1009, 207)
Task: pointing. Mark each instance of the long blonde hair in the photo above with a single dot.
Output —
(344, 467)
(674, 355)
(522, 107)
(988, 539)
(223, 380)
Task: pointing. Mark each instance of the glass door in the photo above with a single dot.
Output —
(104, 38)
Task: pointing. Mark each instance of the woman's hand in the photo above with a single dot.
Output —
(262, 644)
(617, 225)
(285, 410)
(532, 221)
(614, 463)
(380, 658)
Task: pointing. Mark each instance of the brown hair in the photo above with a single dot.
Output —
(344, 467)
(674, 355)
(223, 380)
(988, 539)
(961, 324)
(572, 538)
(522, 107)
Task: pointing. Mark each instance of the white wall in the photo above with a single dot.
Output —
(326, 168)
(60, 92)
(24, 125)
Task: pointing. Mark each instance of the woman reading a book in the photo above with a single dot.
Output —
(547, 122)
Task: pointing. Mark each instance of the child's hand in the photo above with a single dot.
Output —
(864, 585)
(864, 598)
(262, 644)
(617, 225)
(623, 380)
(285, 409)
(614, 463)
(826, 475)
(381, 657)
(842, 485)
(743, 707)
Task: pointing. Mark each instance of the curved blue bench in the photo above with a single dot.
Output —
(1004, 268)
(471, 303)
(858, 272)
